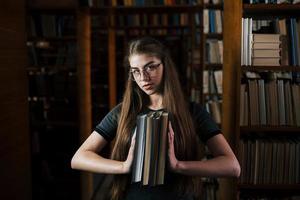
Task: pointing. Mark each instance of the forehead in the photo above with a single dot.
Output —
(139, 60)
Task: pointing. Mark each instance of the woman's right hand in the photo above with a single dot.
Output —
(128, 162)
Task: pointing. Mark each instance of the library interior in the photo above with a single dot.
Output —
(62, 71)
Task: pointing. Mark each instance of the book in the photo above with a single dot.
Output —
(150, 149)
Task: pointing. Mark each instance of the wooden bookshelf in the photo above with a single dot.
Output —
(72, 74)
(15, 168)
(254, 142)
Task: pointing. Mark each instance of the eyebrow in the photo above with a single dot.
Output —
(147, 64)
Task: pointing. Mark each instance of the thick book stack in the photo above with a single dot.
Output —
(270, 99)
(270, 161)
(150, 148)
(266, 50)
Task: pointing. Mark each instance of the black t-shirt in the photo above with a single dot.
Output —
(204, 124)
(205, 129)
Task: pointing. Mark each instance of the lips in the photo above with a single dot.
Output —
(147, 86)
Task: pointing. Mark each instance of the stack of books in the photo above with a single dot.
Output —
(150, 148)
(266, 50)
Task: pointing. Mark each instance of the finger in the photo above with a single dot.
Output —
(170, 137)
(171, 129)
(132, 142)
(131, 149)
(134, 135)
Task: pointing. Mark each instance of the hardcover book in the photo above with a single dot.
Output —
(150, 148)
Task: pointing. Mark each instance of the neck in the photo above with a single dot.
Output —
(155, 101)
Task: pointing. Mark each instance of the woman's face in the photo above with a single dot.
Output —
(147, 72)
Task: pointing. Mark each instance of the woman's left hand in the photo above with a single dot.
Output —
(173, 162)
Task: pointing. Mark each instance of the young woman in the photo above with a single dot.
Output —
(153, 84)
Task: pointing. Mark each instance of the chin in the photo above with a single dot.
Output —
(149, 92)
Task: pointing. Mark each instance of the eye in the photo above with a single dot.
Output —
(150, 68)
(135, 72)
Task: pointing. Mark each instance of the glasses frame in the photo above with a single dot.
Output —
(131, 76)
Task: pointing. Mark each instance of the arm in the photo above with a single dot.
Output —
(224, 163)
(87, 158)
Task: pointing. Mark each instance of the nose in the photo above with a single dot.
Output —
(144, 76)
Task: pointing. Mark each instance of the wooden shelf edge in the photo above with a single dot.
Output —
(213, 36)
(52, 39)
(53, 10)
(269, 187)
(271, 68)
(271, 10)
(210, 66)
(213, 6)
(147, 9)
(271, 129)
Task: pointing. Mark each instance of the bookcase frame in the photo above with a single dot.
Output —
(232, 65)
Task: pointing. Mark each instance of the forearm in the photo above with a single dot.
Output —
(91, 161)
(221, 166)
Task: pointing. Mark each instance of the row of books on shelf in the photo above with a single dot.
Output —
(156, 19)
(57, 85)
(213, 82)
(281, 46)
(214, 107)
(271, 1)
(211, 186)
(48, 25)
(214, 51)
(43, 110)
(212, 21)
(270, 99)
(100, 3)
(45, 53)
(270, 161)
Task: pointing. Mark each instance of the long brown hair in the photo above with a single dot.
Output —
(134, 100)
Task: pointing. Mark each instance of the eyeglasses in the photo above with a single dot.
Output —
(149, 70)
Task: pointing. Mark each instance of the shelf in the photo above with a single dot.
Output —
(270, 10)
(212, 94)
(270, 129)
(271, 68)
(147, 9)
(52, 39)
(213, 6)
(56, 124)
(271, 187)
(53, 10)
(209, 66)
(147, 27)
(218, 36)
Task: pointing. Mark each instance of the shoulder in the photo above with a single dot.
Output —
(108, 126)
(115, 112)
(205, 125)
(117, 109)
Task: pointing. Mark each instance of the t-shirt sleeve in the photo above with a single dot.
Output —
(205, 126)
(107, 128)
